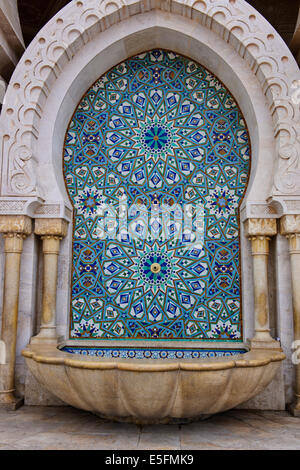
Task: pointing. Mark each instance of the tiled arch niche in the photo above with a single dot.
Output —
(82, 43)
(161, 135)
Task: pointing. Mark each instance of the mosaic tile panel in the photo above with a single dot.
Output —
(149, 353)
(159, 131)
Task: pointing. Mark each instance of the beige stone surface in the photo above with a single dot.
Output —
(51, 227)
(257, 227)
(52, 231)
(123, 389)
(36, 394)
(65, 428)
(260, 231)
(290, 224)
(15, 224)
(13, 247)
(271, 398)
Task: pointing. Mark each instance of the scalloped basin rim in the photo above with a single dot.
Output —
(150, 391)
(49, 354)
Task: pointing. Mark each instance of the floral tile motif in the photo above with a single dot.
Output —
(159, 131)
(149, 353)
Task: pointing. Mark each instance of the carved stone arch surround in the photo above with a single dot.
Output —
(80, 23)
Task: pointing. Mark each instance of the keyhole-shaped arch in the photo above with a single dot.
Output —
(157, 126)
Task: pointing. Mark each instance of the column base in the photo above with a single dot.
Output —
(294, 410)
(43, 340)
(47, 335)
(258, 344)
(9, 402)
(46, 340)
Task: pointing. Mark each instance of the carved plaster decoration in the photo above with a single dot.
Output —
(260, 227)
(290, 224)
(53, 211)
(261, 210)
(79, 22)
(19, 206)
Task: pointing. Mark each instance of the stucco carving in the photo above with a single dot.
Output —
(261, 210)
(51, 227)
(261, 227)
(290, 224)
(53, 211)
(57, 43)
(15, 224)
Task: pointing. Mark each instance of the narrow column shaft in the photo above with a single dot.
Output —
(51, 245)
(51, 231)
(290, 227)
(294, 247)
(260, 252)
(51, 252)
(13, 249)
(260, 231)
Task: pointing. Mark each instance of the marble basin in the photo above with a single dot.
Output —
(147, 390)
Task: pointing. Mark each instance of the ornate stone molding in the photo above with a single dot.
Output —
(260, 228)
(79, 22)
(34, 208)
(290, 224)
(19, 206)
(260, 210)
(55, 211)
(51, 227)
(10, 224)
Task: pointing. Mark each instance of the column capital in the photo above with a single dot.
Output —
(51, 228)
(260, 245)
(290, 224)
(260, 228)
(11, 225)
(294, 243)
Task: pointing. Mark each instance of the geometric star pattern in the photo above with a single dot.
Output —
(162, 134)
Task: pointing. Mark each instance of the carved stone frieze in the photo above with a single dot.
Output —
(290, 224)
(51, 227)
(261, 227)
(15, 224)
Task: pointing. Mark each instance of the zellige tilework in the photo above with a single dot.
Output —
(159, 131)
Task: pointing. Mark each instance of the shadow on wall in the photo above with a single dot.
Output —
(34, 14)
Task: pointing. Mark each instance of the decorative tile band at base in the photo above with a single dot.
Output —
(143, 353)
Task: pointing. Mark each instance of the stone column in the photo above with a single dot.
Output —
(14, 229)
(51, 231)
(290, 227)
(260, 231)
